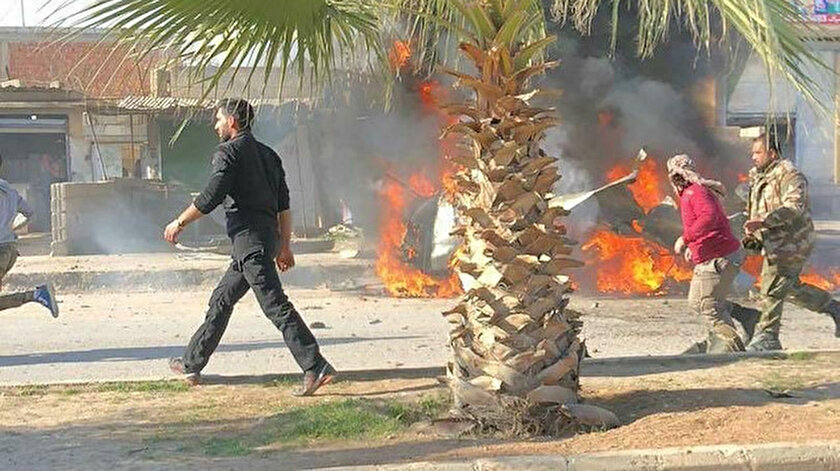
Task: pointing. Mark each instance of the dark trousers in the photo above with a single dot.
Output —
(13, 300)
(253, 268)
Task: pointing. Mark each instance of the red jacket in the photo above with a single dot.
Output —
(706, 229)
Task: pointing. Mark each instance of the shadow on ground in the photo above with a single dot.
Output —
(159, 352)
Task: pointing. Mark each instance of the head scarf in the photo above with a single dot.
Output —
(683, 166)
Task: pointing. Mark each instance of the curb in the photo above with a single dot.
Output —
(306, 276)
(822, 456)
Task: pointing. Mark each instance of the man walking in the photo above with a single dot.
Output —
(248, 176)
(12, 204)
(780, 226)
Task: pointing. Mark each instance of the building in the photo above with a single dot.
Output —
(813, 135)
(75, 108)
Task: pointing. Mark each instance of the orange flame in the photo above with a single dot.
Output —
(399, 54)
(400, 278)
(431, 93)
(421, 185)
(752, 265)
(743, 177)
(829, 283)
(647, 190)
(632, 265)
(827, 280)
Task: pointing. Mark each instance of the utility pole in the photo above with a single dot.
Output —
(22, 14)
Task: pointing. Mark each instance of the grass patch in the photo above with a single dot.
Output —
(27, 391)
(119, 387)
(354, 418)
(351, 419)
(226, 447)
(801, 356)
(142, 386)
(776, 381)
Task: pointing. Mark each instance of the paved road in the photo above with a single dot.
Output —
(111, 336)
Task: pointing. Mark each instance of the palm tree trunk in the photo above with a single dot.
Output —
(516, 348)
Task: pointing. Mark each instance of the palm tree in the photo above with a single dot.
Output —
(315, 36)
(515, 346)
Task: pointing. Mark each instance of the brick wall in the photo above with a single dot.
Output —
(98, 70)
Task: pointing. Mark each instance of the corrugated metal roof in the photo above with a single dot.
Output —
(151, 103)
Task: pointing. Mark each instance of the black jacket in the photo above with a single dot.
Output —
(248, 176)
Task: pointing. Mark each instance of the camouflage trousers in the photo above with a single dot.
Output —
(780, 283)
(709, 288)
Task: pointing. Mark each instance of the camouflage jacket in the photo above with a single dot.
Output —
(779, 196)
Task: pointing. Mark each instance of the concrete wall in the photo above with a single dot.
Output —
(117, 216)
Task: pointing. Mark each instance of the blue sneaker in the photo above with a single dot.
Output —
(45, 296)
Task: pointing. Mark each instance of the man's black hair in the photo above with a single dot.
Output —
(770, 141)
(241, 110)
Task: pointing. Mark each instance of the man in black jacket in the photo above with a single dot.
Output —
(248, 177)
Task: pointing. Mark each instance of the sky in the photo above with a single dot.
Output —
(34, 10)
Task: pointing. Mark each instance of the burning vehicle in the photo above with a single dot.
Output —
(628, 253)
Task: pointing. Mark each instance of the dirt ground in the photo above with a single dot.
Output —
(171, 427)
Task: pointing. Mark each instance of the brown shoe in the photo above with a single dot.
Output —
(177, 366)
(314, 379)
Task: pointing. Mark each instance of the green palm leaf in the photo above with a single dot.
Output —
(313, 37)
(218, 37)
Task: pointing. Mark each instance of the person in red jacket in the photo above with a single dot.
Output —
(707, 242)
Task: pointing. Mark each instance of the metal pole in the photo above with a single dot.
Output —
(22, 14)
(296, 122)
(133, 156)
(96, 145)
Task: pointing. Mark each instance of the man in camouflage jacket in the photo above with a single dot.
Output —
(780, 226)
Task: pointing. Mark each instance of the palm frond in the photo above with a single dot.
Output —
(217, 38)
(440, 25)
(776, 30)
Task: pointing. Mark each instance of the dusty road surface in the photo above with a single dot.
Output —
(121, 336)
(145, 426)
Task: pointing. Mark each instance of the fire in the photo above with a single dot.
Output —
(752, 265)
(399, 54)
(648, 189)
(420, 184)
(635, 265)
(400, 278)
(431, 93)
(632, 265)
(743, 177)
(829, 281)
